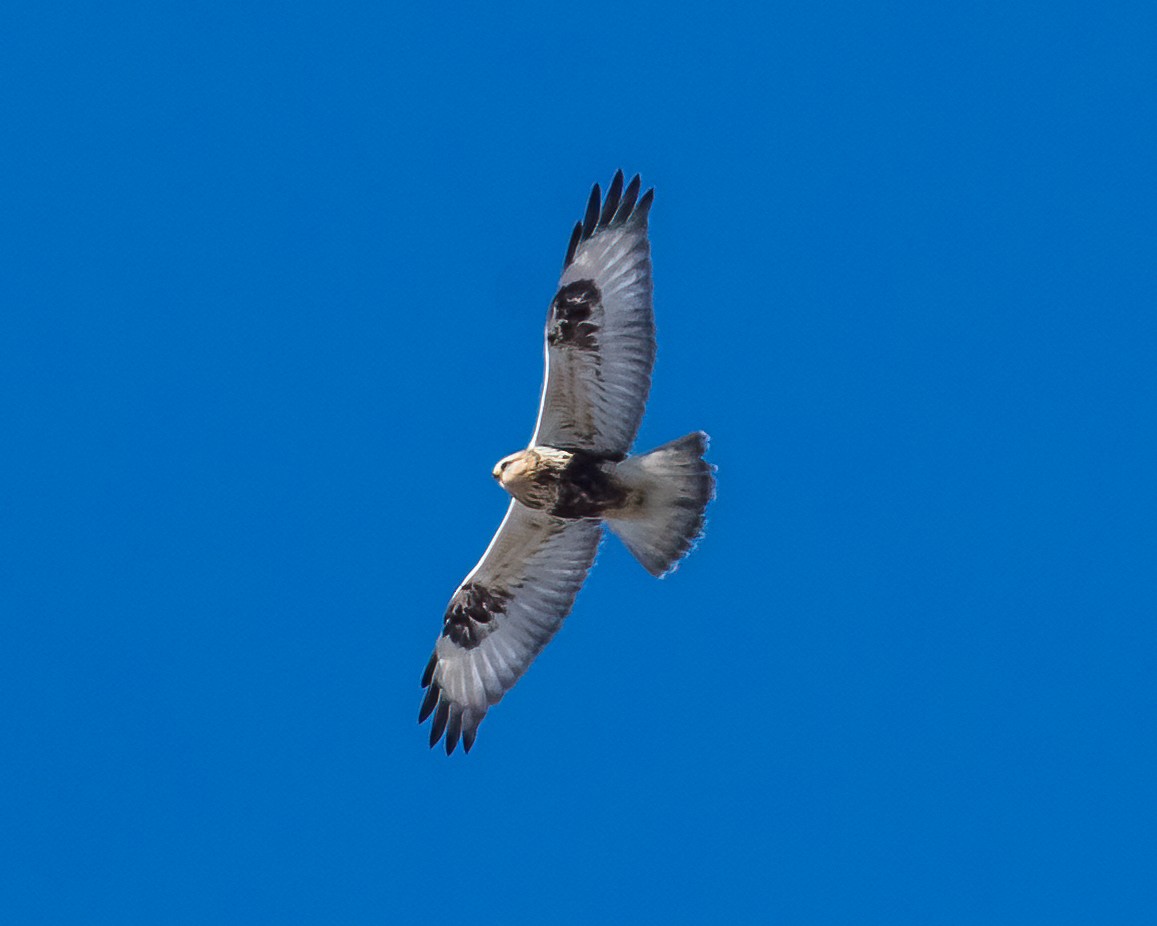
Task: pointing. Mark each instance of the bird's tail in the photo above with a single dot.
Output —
(669, 489)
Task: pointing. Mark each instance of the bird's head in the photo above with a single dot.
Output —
(514, 470)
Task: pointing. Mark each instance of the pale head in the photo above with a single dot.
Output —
(513, 471)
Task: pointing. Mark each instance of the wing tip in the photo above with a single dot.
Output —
(616, 209)
(575, 238)
(591, 219)
(457, 723)
(644, 208)
(441, 716)
(429, 703)
(453, 728)
(611, 200)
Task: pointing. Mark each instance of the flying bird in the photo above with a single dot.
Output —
(574, 476)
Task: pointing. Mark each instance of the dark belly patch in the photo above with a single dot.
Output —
(470, 615)
(569, 323)
(585, 489)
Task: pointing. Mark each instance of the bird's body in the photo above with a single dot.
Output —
(576, 475)
(566, 484)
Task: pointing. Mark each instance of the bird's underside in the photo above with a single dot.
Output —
(575, 475)
(567, 484)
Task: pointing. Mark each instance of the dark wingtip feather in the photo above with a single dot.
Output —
(591, 219)
(428, 703)
(440, 717)
(468, 737)
(611, 202)
(617, 208)
(644, 207)
(453, 729)
(428, 674)
(575, 238)
(628, 202)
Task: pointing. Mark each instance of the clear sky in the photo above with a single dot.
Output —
(272, 282)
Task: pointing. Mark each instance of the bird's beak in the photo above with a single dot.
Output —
(497, 471)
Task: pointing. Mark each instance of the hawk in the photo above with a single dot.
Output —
(574, 476)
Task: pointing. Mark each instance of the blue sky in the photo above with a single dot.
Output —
(272, 291)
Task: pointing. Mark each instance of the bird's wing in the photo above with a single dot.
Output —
(600, 329)
(502, 615)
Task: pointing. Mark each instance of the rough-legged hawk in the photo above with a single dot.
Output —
(576, 474)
